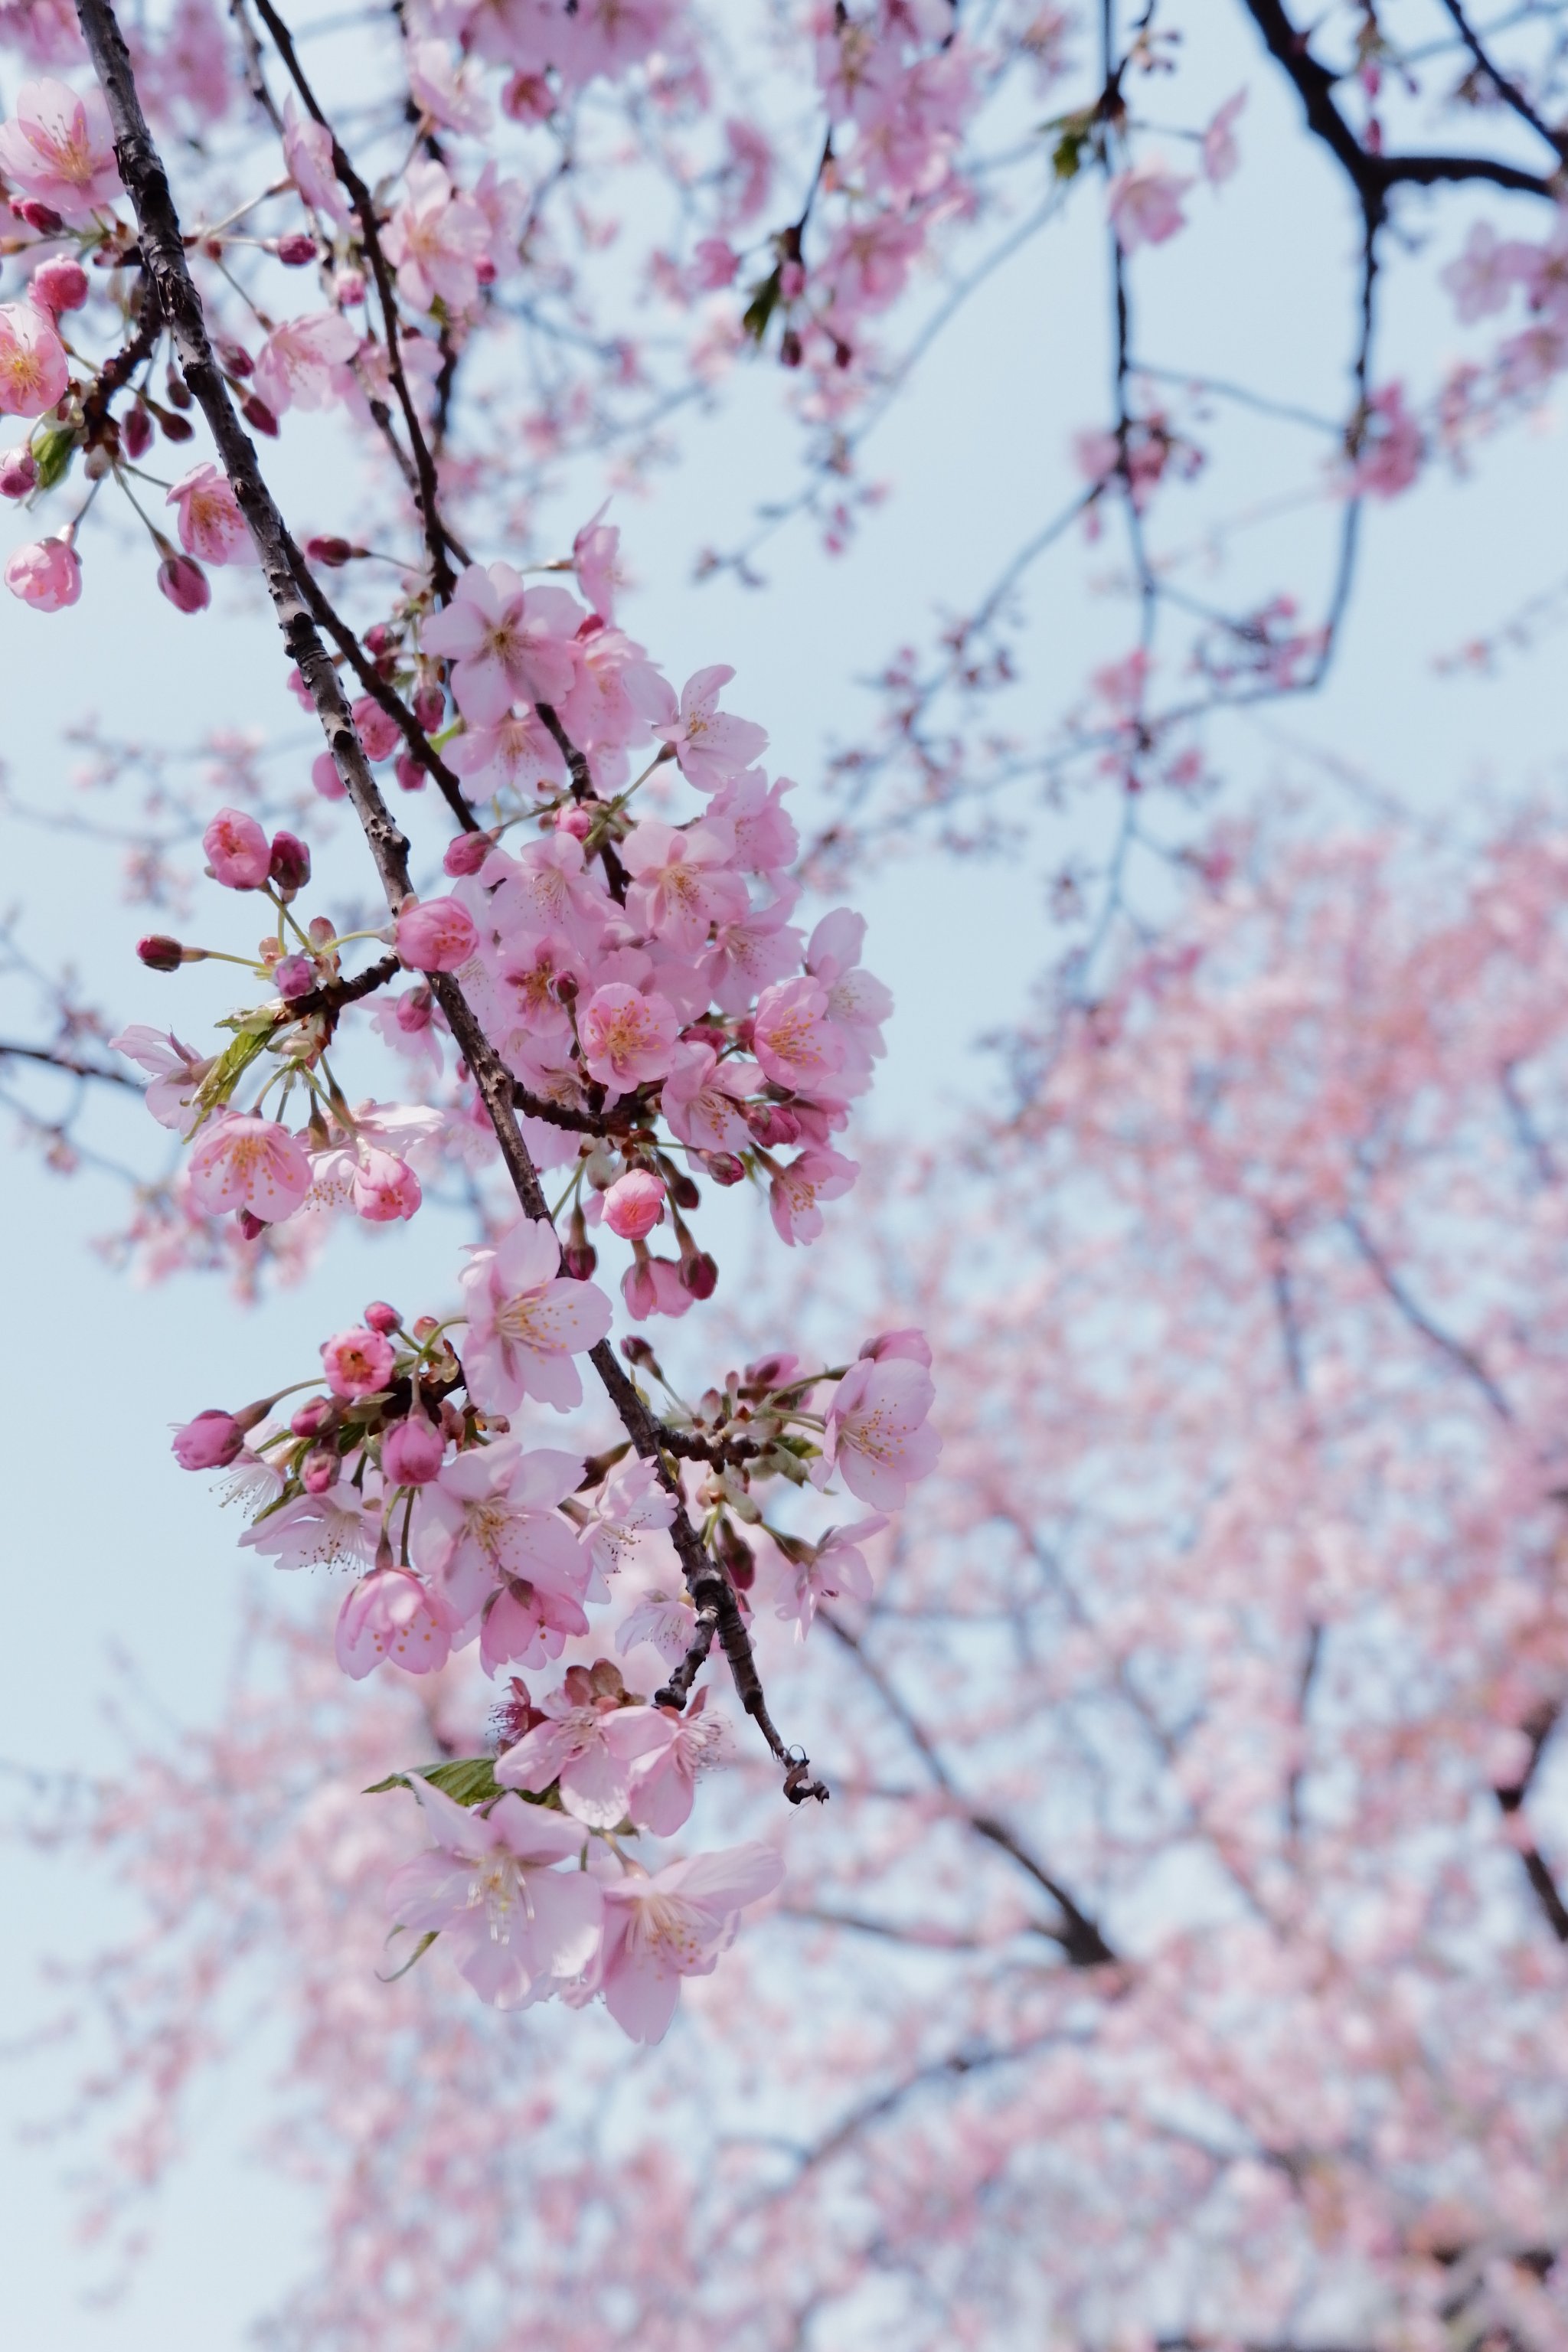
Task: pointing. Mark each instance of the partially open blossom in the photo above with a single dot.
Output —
(358, 1363)
(436, 935)
(209, 1443)
(412, 1451)
(46, 575)
(208, 517)
(238, 850)
(390, 1616)
(634, 1204)
(835, 1568)
(57, 285)
(241, 1162)
(18, 471)
(184, 584)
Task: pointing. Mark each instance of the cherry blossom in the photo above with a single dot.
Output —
(526, 1322)
(33, 365)
(517, 1929)
(878, 1437)
(59, 148)
(675, 1924)
(242, 1163)
(390, 1617)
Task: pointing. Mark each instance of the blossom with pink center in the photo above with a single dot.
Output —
(526, 1322)
(858, 1003)
(358, 1363)
(490, 1516)
(550, 888)
(797, 1188)
(508, 644)
(793, 1037)
(1220, 153)
(615, 683)
(634, 1503)
(436, 935)
(835, 1569)
(174, 1070)
(750, 955)
(297, 366)
(765, 836)
(435, 240)
(211, 1442)
(517, 754)
(58, 149)
(47, 574)
(699, 1096)
(244, 1162)
(389, 1617)
(672, 1925)
(337, 1527)
(308, 152)
(208, 517)
(710, 744)
(589, 1748)
(237, 851)
(876, 1436)
(664, 1779)
(33, 369)
(682, 881)
(633, 1205)
(518, 1930)
(595, 560)
(1145, 205)
(627, 1038)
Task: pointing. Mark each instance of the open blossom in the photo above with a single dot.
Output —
(490, 1518)
(675, 1924)
(238, 850)
(445, 88)
(1391, 450)
(793, 1037)
(436, 935)
(358, 1363)
(665, 1621)
(518, 753)
(1146, 206)
(835, 1569)
(588, 1744)
(47, 574)
(435, 239)
(627, 1038)
(877, 1435)
(60, 149)
(797, 1187)
(517, 1929)
(710, 744)
(858, 1003)
(634, 1503)
(508, 644)
(308, 152)
(241, 1162)
(297, 365)
(682, 882)
(174, 1071)
(699, 1096)
(208, 517)
(526, 1322)
(389, 1616)
(663, 1778)
(595, 560)
(338, 1527)
(34, 368)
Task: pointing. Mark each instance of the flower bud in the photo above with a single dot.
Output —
(636, 1351)
(174, 385)
(468, 852)
(316, 1415)
(256, 412)
(161, 953)
(297, 250)
(348, 285)
(699, 1274)
(235, 359)
(240, 854)
(288, 866)
(184, 584)
(633, 1205)
(436, 935)
(409, 772)
(18, 472)
(251, 1227)
(429, 708)
(683, 1191)
(136, 433)
(412, 1451)
(59, 285)
(575, 821)
(173, 427)
(380, 1317)
(578, 1260)
(209, 1443)
(294, 976)
(43, 217)
(724, 1168)
(319, 1470)
(330, 551)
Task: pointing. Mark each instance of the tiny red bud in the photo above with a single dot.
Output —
(699, 1274)
(724, 1168)
(235, 359)
(136, 433)
(578, 1260)
(175, 387)
(381, 1318)
(683, 1191)
(251, 1228)
(176, 428)
(43, 217)
(297, 250)
(468, 852)
(184, 584)
(429, 708)
(312, 1417)
(161, 953)
(331, 550)
(636, 1351)
(409, 772)
(790, 350)
(256, 412)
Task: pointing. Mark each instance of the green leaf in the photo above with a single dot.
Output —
(467, 1780)
(229, 1069)
(761, 308)
(53, 450)
(420, 1949)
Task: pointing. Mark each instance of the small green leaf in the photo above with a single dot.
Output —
(467, 1780)
(53, 449)
(420, 1949)
(761, 305)
(229, 1069)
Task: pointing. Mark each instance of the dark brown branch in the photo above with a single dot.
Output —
(52, 1058)
(142, 169)
(580, 1122)
(1509, 93)
(333, 995)
(1510, 1801)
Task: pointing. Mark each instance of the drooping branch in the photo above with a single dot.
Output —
(1510, 1798)
(162, 244)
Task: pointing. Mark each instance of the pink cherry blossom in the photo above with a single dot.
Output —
(835, 1569)
(174, 1071)
(58, 286)
(634, 1204)
(445, 88)
(877, 1435)
(517, 1929)
(793, 1037)
(357, 1363)
(209, 1443)
(652, 1286)
(490, 1518)
(412, 1451)
(595, 560)
(340, 1527)
(711, 746)
(627, 1038)
(633, 1503)
(672, 1925)
(238, 850)
(241, 1162)
(1145, 203)
(1220, 153)
(682, 881)
(663, 1778)
(34, 368)
(184, 584)
(508, 644)
(297, 366)
(527, 1624)
(765, 836)
(798, 1186)
(517, 754)
(666, 1623)
(526, 1322)
(588, 1746)
(435, 239)
(60, 149)
(208, 517)
(389, 1617)
(436, 935)
(46, 575)
(699, 1096)
(308, 152)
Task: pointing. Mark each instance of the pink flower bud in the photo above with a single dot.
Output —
(184, 584)
(349, 286)
(256, 412)
(330, 551)
(578, 1260)
(251, 1226)
(136, 433)
(208, 1443)
(409, 772)
(436, 935)
(724, 1168)
(46, 575)
(235, 359)
(575, 821)
(41, 216)
(528, 97)
(380, 1317)
(294, 976)
(296, 250)
(18, 472)
(312, 1417)
(792, 280)
(468, 852)
(412, 1451)
(770, 1122)
(358, 1363)
(633, 1205)
(289, 865)
(240, 854)
(699, 1274)
(319, 1470)
(59, 285)
(429, 708)
(378, 730)
(325, 777)
(161, 953)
